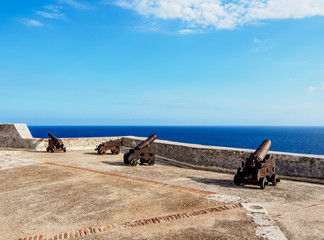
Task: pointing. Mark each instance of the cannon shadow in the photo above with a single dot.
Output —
(95, 153)
(226, 183)
(114, 163)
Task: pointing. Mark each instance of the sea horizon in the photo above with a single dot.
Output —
(292, 139)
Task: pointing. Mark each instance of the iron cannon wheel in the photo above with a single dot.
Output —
(151, 162)
(133, 162)
(236, 180)
(126, 161)
(262, 183)
(274, 179)
(101, 152)
(115, 151)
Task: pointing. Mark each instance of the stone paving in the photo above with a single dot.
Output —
(80, 190)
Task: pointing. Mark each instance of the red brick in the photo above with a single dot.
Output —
(81, 232)
(86, 232)
(55, 237)
(127, 224)
(35, 238)
(66, 235)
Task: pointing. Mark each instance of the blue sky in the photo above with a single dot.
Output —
(163, 62)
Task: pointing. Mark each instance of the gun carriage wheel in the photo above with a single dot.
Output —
(262, 182)
(274, 179)
(236, 180)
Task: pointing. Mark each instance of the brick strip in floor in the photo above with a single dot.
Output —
(137, 223)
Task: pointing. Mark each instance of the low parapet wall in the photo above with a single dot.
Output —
(17, 136)
(287, 164)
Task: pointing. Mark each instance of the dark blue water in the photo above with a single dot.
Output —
(309, 140)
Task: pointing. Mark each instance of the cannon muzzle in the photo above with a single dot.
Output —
(262, 151)
(146, 142)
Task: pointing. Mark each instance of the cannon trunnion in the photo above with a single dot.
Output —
(55, 144)
(259, 168)
(113, 145)
(143, 152)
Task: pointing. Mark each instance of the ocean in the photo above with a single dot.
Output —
(308, 140)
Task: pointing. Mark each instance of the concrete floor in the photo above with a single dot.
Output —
(46, 199)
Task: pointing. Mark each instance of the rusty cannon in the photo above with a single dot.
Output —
(112, 145)
(143, 152)
(55, 144)
(259, 168)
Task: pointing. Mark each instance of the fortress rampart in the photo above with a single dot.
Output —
(290, 165)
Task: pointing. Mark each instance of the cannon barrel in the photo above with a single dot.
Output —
(146, 142)
(56, 140)
(262, 151)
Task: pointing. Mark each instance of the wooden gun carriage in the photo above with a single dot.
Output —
(55, 144)
(113, 145)
(259, 168)
(143, 152)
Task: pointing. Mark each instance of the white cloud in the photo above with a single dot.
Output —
(261, 45)
(224, 14)
(53, 12)
(187, 31)
(148, 26)
(311, 88)
(76, 4)
(32, 22)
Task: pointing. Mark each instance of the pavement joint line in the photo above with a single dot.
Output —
(137, 223)
(134, 178)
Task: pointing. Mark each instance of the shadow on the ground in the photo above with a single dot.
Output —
(123, 164)
(220, 182)
(114, 163)
(95, 153)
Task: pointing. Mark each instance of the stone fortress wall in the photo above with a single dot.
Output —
(301, 166)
